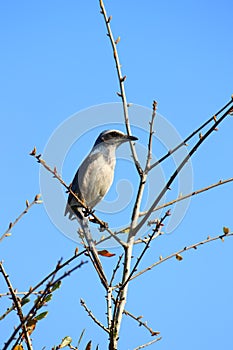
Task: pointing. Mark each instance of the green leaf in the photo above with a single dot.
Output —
(41, 316)
(24, 301)
(48, 298)
(56, 286)
(65, 341)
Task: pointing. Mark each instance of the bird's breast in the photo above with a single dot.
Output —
(96, 177)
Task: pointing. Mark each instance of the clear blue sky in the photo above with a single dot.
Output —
(55, 61)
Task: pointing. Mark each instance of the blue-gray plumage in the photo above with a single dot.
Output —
(95, 175)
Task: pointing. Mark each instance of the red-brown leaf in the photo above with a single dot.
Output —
(106, 253)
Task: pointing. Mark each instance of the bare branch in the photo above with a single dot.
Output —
(151, 132)
(115, 270)
(143, 178)
(141, 323)
(194, 193)
(28, 207)
(195, 132)
(177, 171)
(156, 230)
(147, 344)
(82, 302)
(179, 252)
(121, 80)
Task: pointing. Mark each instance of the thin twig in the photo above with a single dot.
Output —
(151, 132)
(143, 178)
(28, 207)
(7, 294)
(121, 80)
(219, 183)
(18, 307)
(177, 171)
(184, 143)
(177, 254)
(147, 344)
(82, 302)
(115, 270)
(141, 323)
(156, 230)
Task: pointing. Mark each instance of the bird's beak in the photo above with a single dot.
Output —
(130, 138)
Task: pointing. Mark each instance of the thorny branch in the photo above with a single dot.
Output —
(156, 230)
(147, 344)
(177, 254)
(195, 132)
(194, 193)
(141, 323)
(179, 168)
(82, 302)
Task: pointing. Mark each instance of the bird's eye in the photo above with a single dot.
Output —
(114, 134)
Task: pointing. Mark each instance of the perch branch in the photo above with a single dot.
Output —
(103, 225)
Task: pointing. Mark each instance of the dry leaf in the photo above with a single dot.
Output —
(106, 253)
(18, 347)
(117, 40)
(179, 257)
(226, 230)
(31, 325)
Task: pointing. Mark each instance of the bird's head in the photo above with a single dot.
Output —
(114, 138)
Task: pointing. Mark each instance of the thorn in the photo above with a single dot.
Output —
(37, 197)
(119, 94)
(123, 78)
(33, 152)
(117, 40)
(109, 19)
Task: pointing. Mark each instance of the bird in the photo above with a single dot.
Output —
(95, 175)
(91, 182)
